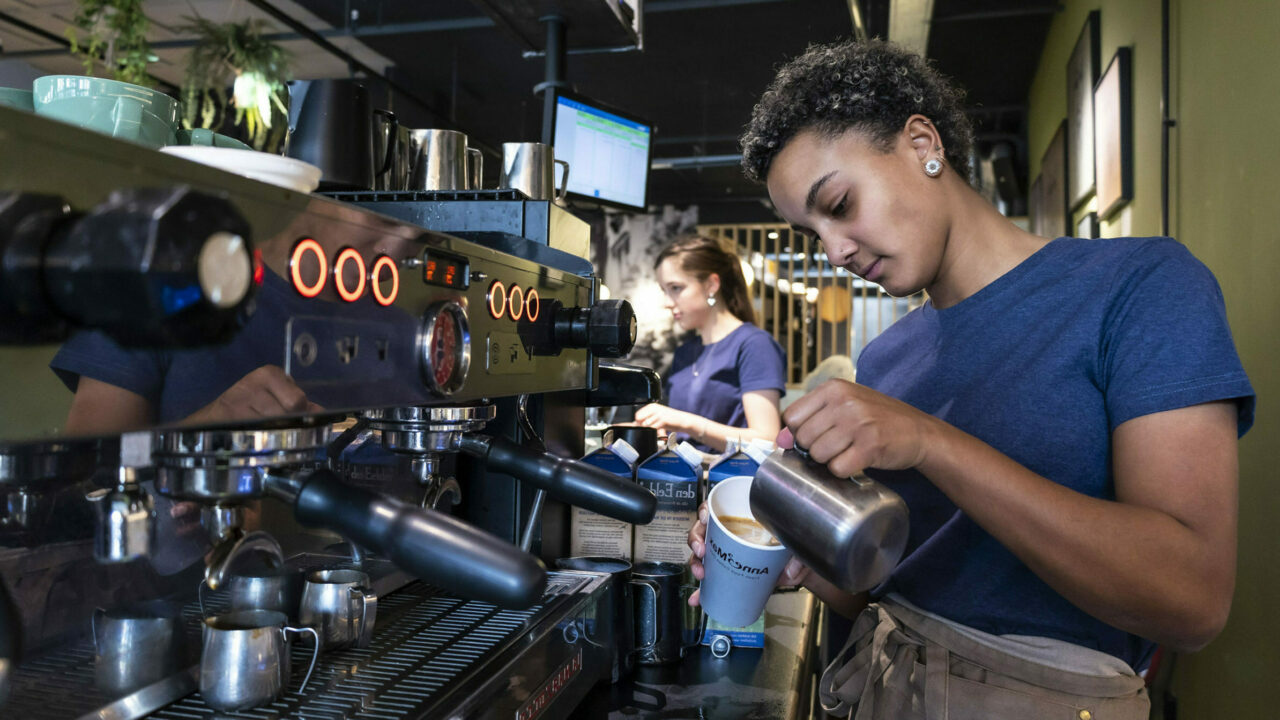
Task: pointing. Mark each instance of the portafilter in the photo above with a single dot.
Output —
(215, 467)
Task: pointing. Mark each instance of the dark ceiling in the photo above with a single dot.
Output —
(703, 65)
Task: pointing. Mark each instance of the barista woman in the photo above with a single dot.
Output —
(1061, 416)
(725, 381)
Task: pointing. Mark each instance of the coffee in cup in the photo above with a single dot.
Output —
(745, 528)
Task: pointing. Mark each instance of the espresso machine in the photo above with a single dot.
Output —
(258, 375)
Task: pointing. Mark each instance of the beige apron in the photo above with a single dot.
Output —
(908, 666)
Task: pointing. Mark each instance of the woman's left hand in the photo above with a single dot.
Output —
(851, 427)
(666, 419)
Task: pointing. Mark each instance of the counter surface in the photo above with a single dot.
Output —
(751, 683)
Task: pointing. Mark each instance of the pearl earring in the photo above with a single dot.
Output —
(711, 301)
(933, 168)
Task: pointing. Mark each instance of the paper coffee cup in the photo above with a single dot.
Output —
(740, 575)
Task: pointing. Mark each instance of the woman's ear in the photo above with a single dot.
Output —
(712, 284)
(923, 136)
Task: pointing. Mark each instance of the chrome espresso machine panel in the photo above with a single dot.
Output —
(360, 310)
(203, 377)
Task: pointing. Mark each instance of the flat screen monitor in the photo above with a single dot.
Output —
(608, 152)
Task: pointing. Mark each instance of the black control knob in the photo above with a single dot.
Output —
(162, 266)
(27, 222)
(607, 328)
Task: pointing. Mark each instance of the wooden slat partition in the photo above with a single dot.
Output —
(793, 320)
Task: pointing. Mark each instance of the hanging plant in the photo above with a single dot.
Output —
(116, 35)
(236, 55)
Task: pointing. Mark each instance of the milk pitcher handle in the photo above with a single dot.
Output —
(93, 628)
(368, 614)
(315, 650)
(685, 592)
(652, 587)
(475, 159)
(564, 181)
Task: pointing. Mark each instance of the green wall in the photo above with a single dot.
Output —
(1225, 161)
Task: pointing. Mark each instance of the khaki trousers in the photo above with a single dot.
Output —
(902, 665)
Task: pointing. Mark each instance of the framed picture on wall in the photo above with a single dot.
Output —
(1035, 216)
(1113, 134)
(1053, 184)
(1088, 226)
(1082, 75)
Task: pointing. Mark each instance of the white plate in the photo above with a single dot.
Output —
(265, 167)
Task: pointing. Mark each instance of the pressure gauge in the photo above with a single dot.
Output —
(446, 347)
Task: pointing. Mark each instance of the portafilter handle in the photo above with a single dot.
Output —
(430, 545)
(571, 481)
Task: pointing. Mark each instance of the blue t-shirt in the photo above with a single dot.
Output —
(709, 380)
(1043, 364)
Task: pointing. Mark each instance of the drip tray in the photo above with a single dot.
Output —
(428, 647)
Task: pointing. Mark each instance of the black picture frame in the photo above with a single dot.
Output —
(1113, 134)
(1082, 76)
(1053, 184)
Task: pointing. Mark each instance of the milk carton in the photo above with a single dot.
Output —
(598, 535)
(742, 459)
(672, 476)
(739, 458)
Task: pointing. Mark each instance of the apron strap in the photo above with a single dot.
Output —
(937, 664)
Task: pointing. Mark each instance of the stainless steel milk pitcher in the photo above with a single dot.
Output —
(851, 531)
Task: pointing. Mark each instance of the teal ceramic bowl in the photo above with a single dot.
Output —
(122, 110)
(15, 98)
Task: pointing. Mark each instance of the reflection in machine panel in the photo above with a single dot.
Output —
(437, 367)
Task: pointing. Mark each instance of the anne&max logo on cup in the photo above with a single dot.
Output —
(727, 558)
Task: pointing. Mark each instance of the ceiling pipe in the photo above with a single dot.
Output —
(695, 161)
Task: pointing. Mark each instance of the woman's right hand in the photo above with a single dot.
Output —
(795, 573)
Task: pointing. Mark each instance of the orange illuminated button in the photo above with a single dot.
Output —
(382, 266)
(516, 300)
(307, 246)
(532, 304)
(348, 255)
(497, 298)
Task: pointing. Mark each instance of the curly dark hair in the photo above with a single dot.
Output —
(872, 86)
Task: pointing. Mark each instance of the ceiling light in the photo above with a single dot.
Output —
(811, 295)
(773, 235)
(784, 285)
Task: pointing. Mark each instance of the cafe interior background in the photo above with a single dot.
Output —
(1191, 152)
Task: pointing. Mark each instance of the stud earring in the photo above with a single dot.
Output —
(933, 168)
(711, 301)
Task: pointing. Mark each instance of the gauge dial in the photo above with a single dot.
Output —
(446, 347)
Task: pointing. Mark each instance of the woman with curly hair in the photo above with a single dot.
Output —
(726, 380)
(1061, 416)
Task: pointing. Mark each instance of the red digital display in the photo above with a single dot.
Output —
(445, 271)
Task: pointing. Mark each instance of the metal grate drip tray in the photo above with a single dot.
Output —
(424, 641)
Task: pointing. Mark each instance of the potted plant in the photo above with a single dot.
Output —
(116, 35)
(237, 55)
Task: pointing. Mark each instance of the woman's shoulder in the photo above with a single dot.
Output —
(749, 336)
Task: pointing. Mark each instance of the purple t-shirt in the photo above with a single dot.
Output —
(709, 380)
(1043, 364)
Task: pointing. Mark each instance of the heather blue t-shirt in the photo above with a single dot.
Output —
(709, 380)
(1043, 364)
